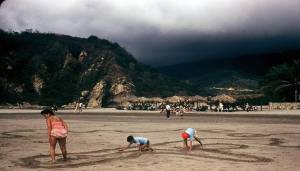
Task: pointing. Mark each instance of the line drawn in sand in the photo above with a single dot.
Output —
(217, 151)
(13, 134)
(259, 135)
(279, 141)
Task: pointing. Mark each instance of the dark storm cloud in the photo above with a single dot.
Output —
(1, 1)
(164, 32)
(176, 50)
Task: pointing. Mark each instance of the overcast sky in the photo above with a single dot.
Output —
(164, 32)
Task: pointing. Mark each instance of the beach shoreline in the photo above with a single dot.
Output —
(112, 110)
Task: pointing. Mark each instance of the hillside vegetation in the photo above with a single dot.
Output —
(59, 69)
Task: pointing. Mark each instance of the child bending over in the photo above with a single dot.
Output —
(57, 132)
(142, 142)
(189, 135)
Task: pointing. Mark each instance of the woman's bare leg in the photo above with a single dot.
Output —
(53, 142)
(62, 145)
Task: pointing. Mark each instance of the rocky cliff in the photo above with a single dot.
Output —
(57, 69)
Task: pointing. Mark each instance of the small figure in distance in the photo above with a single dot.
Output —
(76, 106)
(177, 112)
(247, 107)
(142, 142)
(181, 112)
(80, 107)
(168, 111)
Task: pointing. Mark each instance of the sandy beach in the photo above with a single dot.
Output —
(232, 141)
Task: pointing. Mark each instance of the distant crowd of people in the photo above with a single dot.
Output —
(178, 111)
(231, 108)
(181, 108)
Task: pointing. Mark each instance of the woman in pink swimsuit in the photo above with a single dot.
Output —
(57, 132)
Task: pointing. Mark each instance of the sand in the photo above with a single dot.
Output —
(236, 141)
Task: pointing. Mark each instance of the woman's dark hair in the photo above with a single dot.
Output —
(46, 111)
(130, 138)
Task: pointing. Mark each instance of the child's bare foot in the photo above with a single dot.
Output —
(149, 149)
(51, 161)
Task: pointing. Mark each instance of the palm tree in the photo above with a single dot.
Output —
(287, 84)
(283, 78)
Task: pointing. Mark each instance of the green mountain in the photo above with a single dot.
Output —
(239, 73)
(50, 69)
(56, 69)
